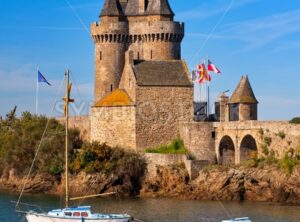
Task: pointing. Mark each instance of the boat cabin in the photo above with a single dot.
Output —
(77, 212)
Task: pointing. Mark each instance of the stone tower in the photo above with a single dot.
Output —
(145, 27)
(110, 38)
(243, 103)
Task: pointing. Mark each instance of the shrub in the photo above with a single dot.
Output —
(281, 134)
(265, 150)
(268, 141)
(95, 158)
(288, 163)
(176, 147)
(295, 120)
(20, 137)
(261, 131)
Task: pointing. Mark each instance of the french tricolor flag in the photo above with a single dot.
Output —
(212, 68)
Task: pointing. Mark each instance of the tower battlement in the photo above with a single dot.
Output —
(145, 27)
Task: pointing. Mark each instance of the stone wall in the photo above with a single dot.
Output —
(159, 110)
(81, 123)
(155, 160)
(204, 139)
(259, 130)
(114, 126)
(199, 139)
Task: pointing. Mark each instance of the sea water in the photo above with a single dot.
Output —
(162, 210)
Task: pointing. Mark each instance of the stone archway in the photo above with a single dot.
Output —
(248, 148)
(227, 151)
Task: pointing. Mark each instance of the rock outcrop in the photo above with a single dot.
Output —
(255, 184)
(268, 184)
(80, 184)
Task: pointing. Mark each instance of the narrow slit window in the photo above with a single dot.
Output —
(100, 56)
(151, 54)
(111, 87)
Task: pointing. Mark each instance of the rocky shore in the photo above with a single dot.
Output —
(267, 184)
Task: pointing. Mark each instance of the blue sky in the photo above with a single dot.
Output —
(260, 38)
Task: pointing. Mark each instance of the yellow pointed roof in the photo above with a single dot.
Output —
(117, 98)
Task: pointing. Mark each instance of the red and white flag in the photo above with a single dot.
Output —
(212, 68)
(203, 74)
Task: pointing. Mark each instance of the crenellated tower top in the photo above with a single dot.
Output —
(145, 27)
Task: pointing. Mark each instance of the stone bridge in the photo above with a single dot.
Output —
(234, 142)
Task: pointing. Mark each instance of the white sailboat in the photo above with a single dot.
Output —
(72, 214)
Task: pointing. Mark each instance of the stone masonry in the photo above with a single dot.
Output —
(144, 94)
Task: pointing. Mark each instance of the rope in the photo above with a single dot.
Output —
(212, 31)
(39, 146)
(78, 17)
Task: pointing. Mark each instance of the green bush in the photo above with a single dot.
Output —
(261, 131)
(268, 141)
(20, 137)
(265, 150)
(281, 134)
(288, 163)
(95, 158)
(295, 120)
(176, 147)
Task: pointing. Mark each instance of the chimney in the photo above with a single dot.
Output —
(224, 114)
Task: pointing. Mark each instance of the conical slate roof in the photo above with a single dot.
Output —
(243, 93)
(159, 7)
(111, 8)
(132, 7)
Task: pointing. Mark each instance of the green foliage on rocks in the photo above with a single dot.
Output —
(20, 137)
(95, 157)
(127, 168)
(281, 134)
(287, 164)
(176, 147)
(295, 120)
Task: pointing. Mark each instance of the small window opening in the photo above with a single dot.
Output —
(69, 214)
(111, 87)
(213, 134)
(84, 214)
(100, 55)
(151, 54)
(130, 84)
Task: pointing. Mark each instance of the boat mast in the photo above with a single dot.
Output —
(67, 101)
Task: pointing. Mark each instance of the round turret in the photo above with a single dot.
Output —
(110, 39)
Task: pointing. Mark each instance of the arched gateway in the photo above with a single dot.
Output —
(248, 148)
(227, 151)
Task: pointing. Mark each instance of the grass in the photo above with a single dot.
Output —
(176, 147)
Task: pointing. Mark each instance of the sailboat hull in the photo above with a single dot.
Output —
(46, 218)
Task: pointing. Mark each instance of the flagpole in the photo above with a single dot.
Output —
(37, 93)
(207, 85)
